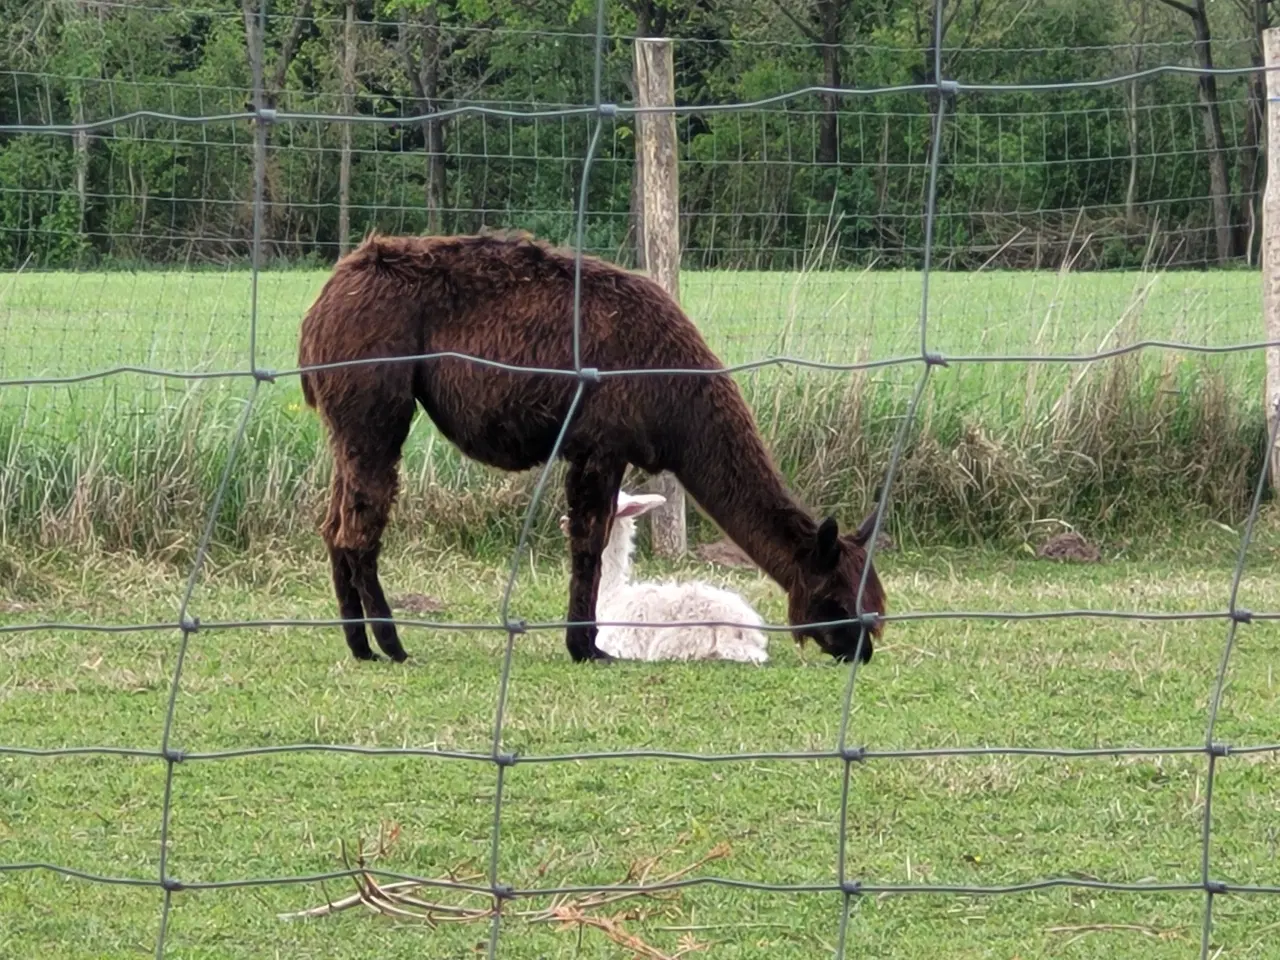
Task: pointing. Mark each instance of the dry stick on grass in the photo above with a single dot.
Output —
(1152, 932)
(573, 918)
(637, 875)
(391, 898)
(395, 900)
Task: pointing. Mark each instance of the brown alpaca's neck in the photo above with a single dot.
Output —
(727, 470)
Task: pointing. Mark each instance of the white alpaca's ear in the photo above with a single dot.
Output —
(636, 504)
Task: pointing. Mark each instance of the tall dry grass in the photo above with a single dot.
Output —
(1126, 446)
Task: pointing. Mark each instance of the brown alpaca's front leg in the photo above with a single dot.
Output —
(591, 488)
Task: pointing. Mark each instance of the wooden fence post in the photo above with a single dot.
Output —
(656, 144)
(1271, 240)
(348, 108)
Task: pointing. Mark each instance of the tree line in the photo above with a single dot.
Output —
(1165, 170)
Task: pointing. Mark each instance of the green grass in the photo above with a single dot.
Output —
(67, 323)
(975, 820)
(1000, 449)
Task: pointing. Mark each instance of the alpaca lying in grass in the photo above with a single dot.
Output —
(621, 600)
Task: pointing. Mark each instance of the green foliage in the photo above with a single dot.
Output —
(39, 213)
(1021, 175)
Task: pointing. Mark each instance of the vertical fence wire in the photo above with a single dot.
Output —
(846, 751)
(1214, 750)
(849, 757)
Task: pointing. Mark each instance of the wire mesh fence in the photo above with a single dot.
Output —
(121, 171)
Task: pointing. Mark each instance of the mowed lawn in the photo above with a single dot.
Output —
(974, 820)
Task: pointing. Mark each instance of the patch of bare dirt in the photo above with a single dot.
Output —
(724, 552)
(418, 603)
(1069, 547)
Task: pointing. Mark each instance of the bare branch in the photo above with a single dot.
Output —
(290, 45)
(1181, 7)
(799, 24)
(410, 62)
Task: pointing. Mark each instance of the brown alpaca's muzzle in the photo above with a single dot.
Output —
(843, 643)
(816, 615)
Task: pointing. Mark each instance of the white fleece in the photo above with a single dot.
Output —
(620, 599)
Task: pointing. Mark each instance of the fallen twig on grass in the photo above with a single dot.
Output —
(1080, 930)
(612, 928)
(398, 899)
(637, 875)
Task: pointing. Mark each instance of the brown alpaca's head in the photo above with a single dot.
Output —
(827, 590)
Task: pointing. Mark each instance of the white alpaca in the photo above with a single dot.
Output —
(621, 600)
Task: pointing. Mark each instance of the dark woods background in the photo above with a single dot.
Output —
(1166, 171)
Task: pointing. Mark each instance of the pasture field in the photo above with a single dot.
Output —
(105, 486)
(957, 683)
(130, 461)
(69, 323)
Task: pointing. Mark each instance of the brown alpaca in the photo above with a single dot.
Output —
(511, 300)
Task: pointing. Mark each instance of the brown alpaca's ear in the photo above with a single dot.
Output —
(863, 534)
(827, 548)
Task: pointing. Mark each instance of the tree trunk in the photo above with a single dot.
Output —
(828, 133)
(1250, 169)
(1219, 185)
(434, 130)
(1251, 159)
(1131, 189)
(1137, 37)
(267, 90)
(830, 27)
(255, 48)
(348, 108)
(829, 124)
(80, 139)
(80, 143)
(423, 71)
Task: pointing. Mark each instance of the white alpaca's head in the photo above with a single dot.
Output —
(615, 560)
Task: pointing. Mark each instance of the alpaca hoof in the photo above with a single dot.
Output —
(599, 656)
(849, 657)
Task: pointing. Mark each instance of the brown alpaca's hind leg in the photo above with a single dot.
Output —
(375, 604)
(349, 607)
(366, 459)
(591, 488)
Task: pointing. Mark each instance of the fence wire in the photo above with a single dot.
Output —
(847, 753)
